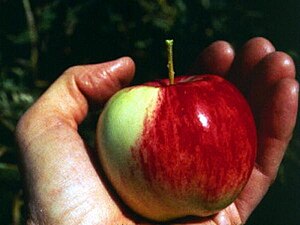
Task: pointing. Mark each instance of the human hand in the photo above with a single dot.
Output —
(64, 185)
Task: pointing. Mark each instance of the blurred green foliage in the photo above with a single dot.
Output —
(40, 39)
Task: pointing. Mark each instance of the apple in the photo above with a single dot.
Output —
(177, 147)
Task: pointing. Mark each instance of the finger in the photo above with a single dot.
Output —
(251, 54)
(215, 59)
(275, 131)
(59, 174)
(272, 68)
(276, 125)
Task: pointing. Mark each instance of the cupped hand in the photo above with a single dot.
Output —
(65, 186)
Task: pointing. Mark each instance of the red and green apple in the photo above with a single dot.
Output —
(178, 147)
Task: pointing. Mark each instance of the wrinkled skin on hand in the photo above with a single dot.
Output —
(64, 185)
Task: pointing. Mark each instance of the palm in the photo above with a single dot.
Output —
(65, 185)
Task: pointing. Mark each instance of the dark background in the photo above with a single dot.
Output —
(40, 39)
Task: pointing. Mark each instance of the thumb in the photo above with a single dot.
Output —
(67, 98)
(98, 82)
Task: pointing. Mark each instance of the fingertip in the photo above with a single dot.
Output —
(216, 59)
(221, 47)
(259, 40)
(128, 66)
(275, 66)
(259, 43)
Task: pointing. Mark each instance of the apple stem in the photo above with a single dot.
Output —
(170, 65)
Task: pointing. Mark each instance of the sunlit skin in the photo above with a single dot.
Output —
(63, 182)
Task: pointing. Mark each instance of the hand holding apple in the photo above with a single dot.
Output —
(61, 179)
(173, 148)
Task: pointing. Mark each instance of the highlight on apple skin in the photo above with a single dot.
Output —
(175, 150)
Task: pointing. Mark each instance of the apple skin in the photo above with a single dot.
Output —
(176, 150)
